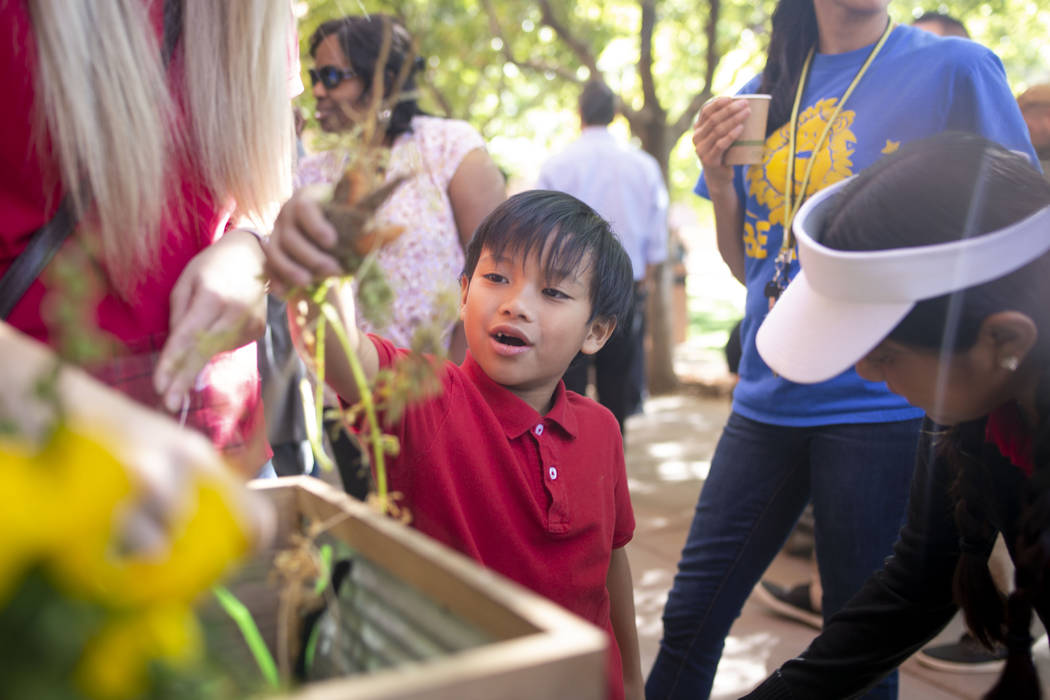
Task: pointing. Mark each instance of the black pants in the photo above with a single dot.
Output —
(619, 367)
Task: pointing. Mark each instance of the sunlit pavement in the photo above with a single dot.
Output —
(668, 456)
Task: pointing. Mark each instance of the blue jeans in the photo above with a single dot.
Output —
(762, 476)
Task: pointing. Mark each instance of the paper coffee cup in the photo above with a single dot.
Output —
(749, 146)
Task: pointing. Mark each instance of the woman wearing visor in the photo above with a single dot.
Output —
(930, 271)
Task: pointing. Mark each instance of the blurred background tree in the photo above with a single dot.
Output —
(514, 68)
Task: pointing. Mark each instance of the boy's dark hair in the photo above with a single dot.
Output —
(597, 104)
(361, 39)
(563, 231)
(950, 26)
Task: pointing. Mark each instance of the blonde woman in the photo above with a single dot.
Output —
(164, 128)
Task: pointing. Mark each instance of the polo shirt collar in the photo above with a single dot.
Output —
(516, 416)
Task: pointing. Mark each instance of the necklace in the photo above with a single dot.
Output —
(791, 202)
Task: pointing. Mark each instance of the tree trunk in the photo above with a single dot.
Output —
(659, 358)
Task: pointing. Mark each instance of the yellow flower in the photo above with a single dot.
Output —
(74, 514)
(204, 547)
(57, 503)
(89, 490)
(18, 535)
(60, 508)
(115, 663)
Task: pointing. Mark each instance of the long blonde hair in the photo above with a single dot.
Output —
(103, 97)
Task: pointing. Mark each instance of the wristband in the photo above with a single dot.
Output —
(258, 236)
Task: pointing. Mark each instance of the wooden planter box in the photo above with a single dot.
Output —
(426, 621)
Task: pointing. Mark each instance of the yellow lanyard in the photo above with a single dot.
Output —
(791, 203)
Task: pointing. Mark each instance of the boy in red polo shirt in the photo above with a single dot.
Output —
(506, 465)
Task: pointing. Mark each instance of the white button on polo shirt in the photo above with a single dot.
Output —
(553, 471)
(539, 429)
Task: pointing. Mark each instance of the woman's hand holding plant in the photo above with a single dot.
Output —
(217, 304)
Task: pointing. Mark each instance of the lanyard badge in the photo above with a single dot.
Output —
(781, 275)
(792, 201)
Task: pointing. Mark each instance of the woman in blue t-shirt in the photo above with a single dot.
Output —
(847, 87)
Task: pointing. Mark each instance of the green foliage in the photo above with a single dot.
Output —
(242, 617)
(374, 294)
(43, 633)
(525, 107)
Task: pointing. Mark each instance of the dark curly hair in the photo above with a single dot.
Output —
(361, 39)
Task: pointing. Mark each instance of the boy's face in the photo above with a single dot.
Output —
(524, 329)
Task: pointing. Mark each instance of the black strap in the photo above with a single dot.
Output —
(47, 239)
(30, 263)
(172, 28)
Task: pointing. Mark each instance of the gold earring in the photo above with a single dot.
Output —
(1010, 363)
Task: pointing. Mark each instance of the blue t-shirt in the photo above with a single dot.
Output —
(918, 85)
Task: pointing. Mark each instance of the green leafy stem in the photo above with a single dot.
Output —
(242, 617)
(330, 316)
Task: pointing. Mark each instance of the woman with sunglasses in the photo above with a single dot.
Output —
(454, 183)
(931, 271)
(847, 87)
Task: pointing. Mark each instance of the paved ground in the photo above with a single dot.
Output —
(668, 456)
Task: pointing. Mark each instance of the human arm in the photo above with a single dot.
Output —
(476, 188)
(658, 239)
(162, 458)
(621, 611)
(218, 303)
(656, 234)
(898, 610)
(720, 121)
(298, 255)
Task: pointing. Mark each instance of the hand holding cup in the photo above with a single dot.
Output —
(748, 147)
(722, 124)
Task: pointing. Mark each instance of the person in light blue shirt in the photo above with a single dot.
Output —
(847, 87)
(625, 186)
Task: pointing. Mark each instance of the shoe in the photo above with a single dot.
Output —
(964, 656)
(792, 602)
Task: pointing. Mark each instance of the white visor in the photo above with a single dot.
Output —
(843, 303)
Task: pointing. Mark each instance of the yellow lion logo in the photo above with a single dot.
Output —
(831, 164)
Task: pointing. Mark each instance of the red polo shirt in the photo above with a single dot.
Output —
(542, 500)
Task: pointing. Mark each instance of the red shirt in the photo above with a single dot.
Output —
(228, 405)
(543, 500)
(1007, 430)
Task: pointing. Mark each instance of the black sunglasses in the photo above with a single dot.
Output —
(329, 76)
